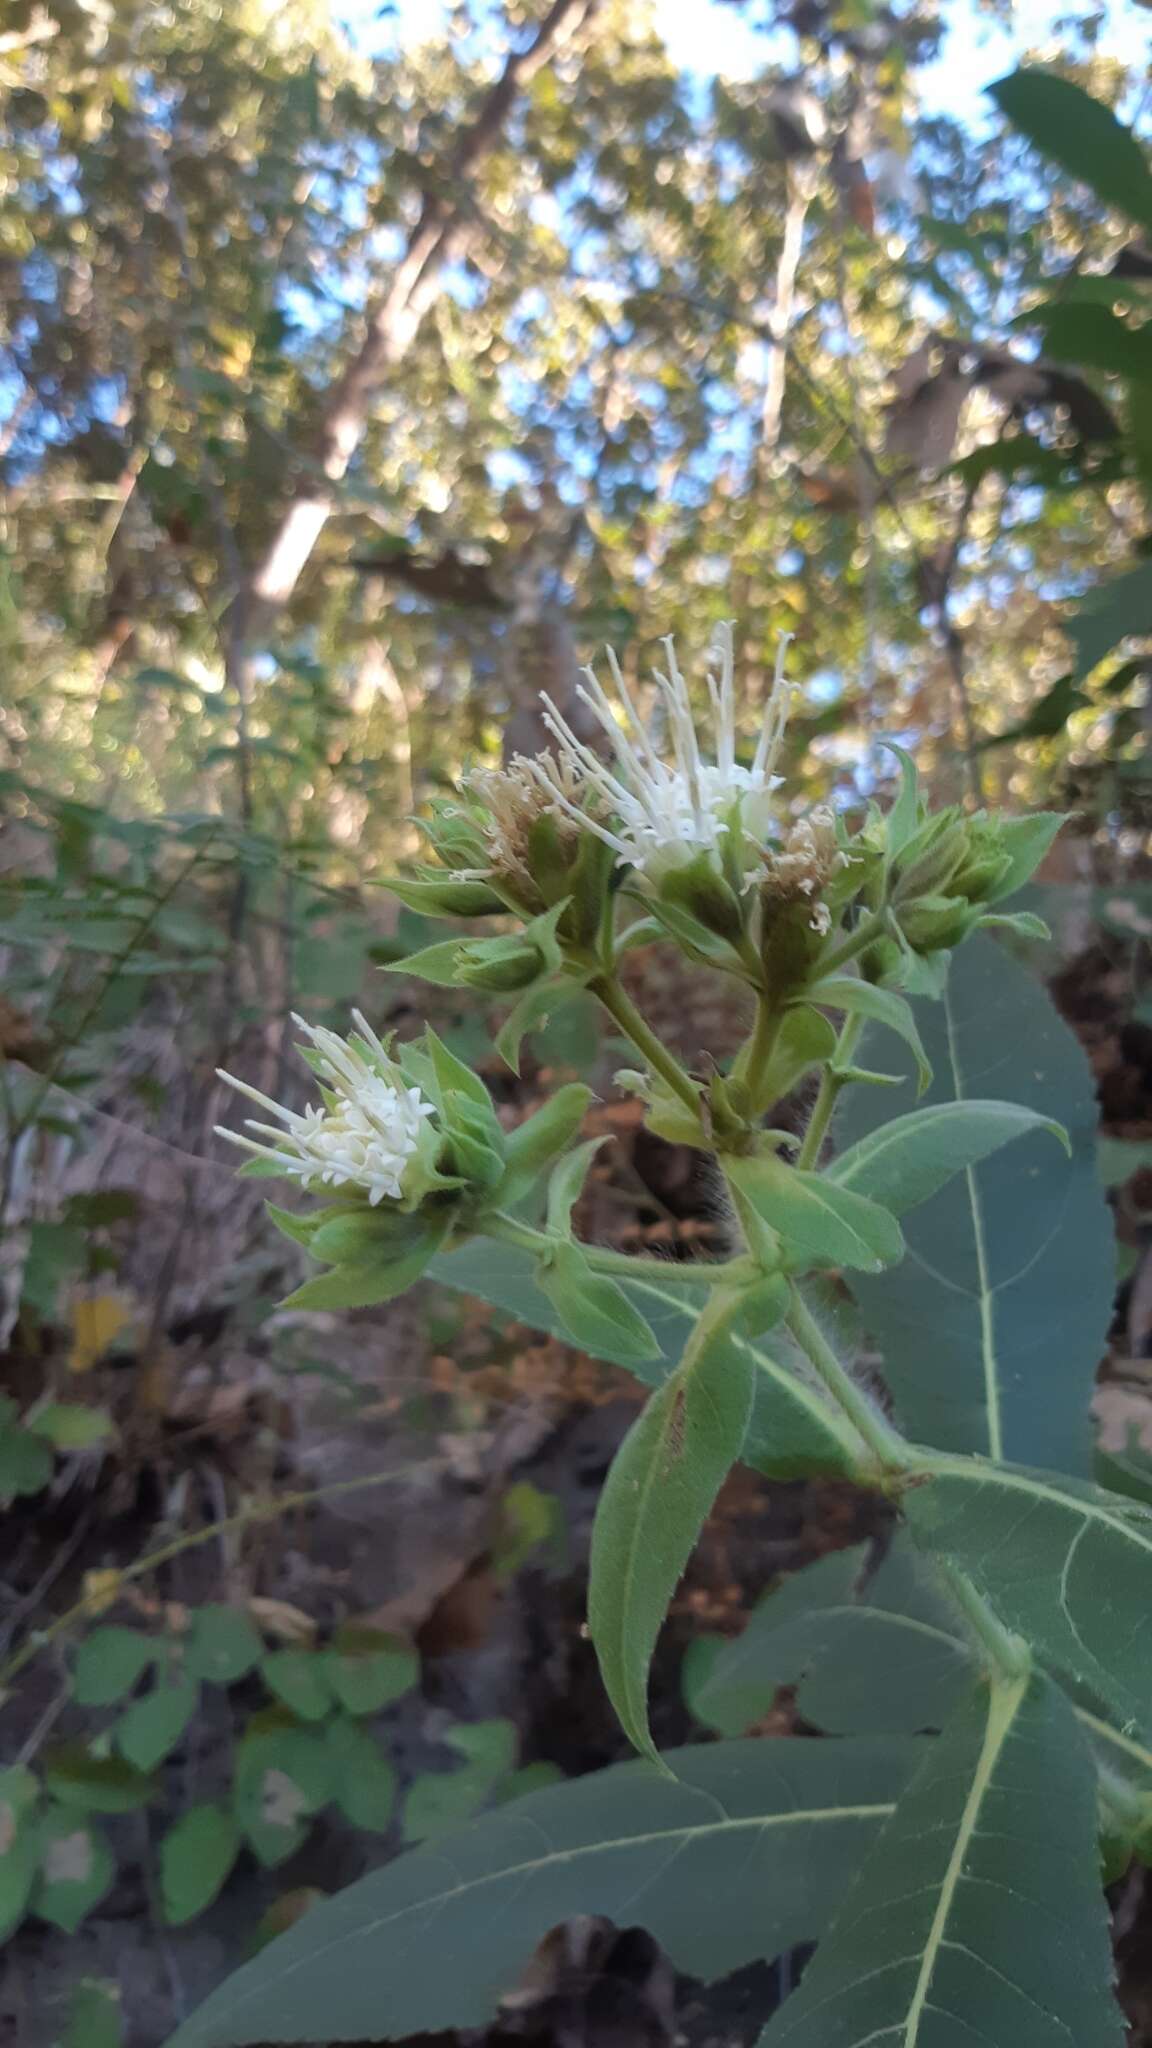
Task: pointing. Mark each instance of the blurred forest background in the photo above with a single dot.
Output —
(361, 374)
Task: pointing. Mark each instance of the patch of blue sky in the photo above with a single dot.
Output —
(707, 39)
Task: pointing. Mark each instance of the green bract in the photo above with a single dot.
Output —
(997, 1658)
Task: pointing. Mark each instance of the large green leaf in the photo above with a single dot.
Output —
(905, 1162)
(978, 1917)
(745, 1855)
(884, 1655)
(992, 1327)
(792, 1431)
(1109, 614)
(1064, 1564)
(656, 1497)
(1081, 135)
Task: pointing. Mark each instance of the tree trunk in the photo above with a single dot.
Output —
(444, 226)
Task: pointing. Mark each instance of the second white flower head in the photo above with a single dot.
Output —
(660, 804)
(368, 1135)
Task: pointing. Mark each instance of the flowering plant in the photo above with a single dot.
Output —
(998, 1739)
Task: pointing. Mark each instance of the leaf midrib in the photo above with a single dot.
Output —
(1003, 1706)
(988, 1359)
(432, 1902)
(954, 1465)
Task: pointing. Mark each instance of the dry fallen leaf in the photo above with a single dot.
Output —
(279, 1618)
(97, 1320)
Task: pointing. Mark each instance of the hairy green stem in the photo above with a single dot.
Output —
(828, 1093)
(753, 1062)
(623, 1012)
(1006, 1653)
(886, 1443)
(622, 1265)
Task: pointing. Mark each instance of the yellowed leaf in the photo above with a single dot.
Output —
(97, 1319)
(101, 1590)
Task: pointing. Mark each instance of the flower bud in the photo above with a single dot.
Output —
(935, 923)
(703, 892)
(501, 966)
(925, 866)
(433, 893)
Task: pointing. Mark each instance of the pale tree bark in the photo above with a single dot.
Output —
(803, 180)
(803, 183)
(445, 225)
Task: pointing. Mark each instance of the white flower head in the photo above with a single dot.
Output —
(369, 1132)
(666, 800)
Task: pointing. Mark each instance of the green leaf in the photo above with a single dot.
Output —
(904, 1163)
(593, 1310)
(1110, 614)
(25, 1463)
(221, 1645)
(364, 1782)
(656, 1498)
(904, 818)
(436, 963)
(765, 1834)
(109, 1663)
(992, 1328)
(57, 1252)
(436, 897)
(1025, 841)
(19, 1846)
(806, 1039)
(94, 1784)
(76, 1869)
(152, 1726)
(442, 1800)
(566, 1183)
(196, 1856)
(382, 1280)
(283, 1775)
(93, 2017)
(792, 1431)
(1081, 135)
(452, 1077)
(1095, 335)
(978, 1914)
(866, 1657)
(301, 1678)
(819, 1224)
(1064, 1564)
(367, 1669)
(534, 1007)
(70, 1426)
(879, 1005)
(536, 1142)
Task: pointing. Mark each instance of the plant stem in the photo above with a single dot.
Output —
(92, 1604)
(887, 1444)
(754, 1059)
(621, 1265)
(623, 1012)
(869, 928)
(1005, 1652)
(828, 1092)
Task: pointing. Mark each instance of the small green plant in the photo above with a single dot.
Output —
(987, 1697)
(308, 1745)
